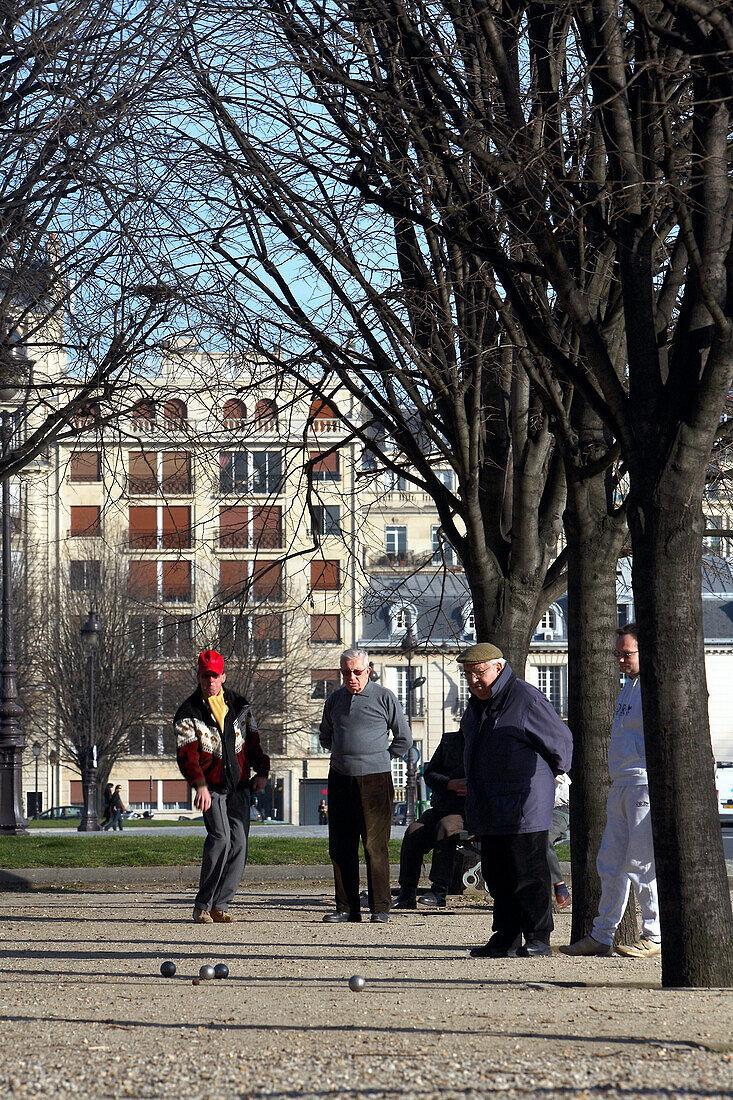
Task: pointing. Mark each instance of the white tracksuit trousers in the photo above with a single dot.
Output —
(626, 859)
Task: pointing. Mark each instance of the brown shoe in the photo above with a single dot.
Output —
(642, 949)
(220, 916)
(200, 916)
(587, 946)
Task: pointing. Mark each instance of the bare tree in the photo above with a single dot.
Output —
(601, 135)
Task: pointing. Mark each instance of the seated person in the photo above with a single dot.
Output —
(437, 828)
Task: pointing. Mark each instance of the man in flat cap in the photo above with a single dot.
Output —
(218, 746)
(515, 746)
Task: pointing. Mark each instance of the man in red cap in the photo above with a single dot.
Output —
(218, 747)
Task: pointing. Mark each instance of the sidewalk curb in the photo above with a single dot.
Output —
(83, 878)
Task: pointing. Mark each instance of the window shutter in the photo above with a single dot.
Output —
(143, 580)
(76, 792)
(267, 527)
(325, 628)
(85, 466)
(233, 578)
(85, 521)
(143, 526)
(325, 576)
(139, 790)
(176, 472)
(324, 465)
(234, 527)
(176, 527)
(143, 466)
(175, 790)
(267, 581)
(177, 581)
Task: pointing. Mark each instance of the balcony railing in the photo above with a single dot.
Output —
(325, 425)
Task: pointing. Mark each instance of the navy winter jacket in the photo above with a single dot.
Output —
(515, 746)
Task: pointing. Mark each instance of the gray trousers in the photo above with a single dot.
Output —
(225, 849)
(560, 819)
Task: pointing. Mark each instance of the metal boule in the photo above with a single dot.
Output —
(168, 969)
(221, 970)
(206, 972)
(356, 983)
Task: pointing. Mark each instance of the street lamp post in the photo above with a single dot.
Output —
(90, 634)
(12, 741)
(408, 649)
(37, 750)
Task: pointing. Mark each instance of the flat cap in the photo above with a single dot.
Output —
(482, 651)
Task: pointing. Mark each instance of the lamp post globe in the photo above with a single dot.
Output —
(90, 637)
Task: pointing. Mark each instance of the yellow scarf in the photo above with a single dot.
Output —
(218, 708)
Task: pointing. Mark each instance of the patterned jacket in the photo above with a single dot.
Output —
(199, 747)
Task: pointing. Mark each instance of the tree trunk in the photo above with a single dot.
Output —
(697, 928)
(594, 541)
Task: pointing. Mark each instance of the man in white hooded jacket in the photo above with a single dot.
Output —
(626, 855)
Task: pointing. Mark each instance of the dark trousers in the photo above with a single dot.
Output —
(517, 874)
(225, 849)
(439, 831)
(360, 807)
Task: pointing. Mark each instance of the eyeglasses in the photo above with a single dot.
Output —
(477, 673)
(626, 652)
(346, 672)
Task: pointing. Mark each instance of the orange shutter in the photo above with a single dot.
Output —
(85, 521)
(176, 527)
(175, 790)
(267, 527)
(267, 581)
(177, 581)
(325, 576)
(143, 580)
(176, 472)
(143, 472)
(143, 526)
(233, 527)
(325, 628)
(233, 578)
(84, 466)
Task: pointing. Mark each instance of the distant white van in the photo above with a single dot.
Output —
(724, 787)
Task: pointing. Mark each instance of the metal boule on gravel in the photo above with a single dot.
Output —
(206, 972)
(168, 969)
(356, 983)
(221, 970)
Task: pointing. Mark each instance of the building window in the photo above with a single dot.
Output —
(395, 483)
(326, 628)
(549, 681)
(265, 416)
(321, 417)
(234, 635)
(324, 681)
(143, 413)
(401, 619)
(325, 467)
(161, 581)
(86, 521)
(151, 473)
(469, 621)
(233, 413)
(399, 773)
(316, 748)
(256, 635)
(395, 543)
(243, 528)
(713, 543)
(443, 552)
(233, 471)
(325, 576)
(161, 527)
(85, 466)
(267, 635)
(548, 623)
(326, 520)
(267, 472)
(399, 677)
(623, 613)
(176, 794)
(175, 412)
(176, 638)
(447, 477)
(84, 575)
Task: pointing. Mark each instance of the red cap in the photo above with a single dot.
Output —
(211, 661)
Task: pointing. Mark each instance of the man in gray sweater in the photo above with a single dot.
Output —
(357, 721)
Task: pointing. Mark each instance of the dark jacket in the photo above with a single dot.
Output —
(515, 746)
(445, 764)
(208, 758)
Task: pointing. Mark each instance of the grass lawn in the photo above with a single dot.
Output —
(162, 851)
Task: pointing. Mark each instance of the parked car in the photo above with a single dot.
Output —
(60, 812)
(399, 812)
(724, 789)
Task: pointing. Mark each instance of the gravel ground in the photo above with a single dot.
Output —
(85, 1012)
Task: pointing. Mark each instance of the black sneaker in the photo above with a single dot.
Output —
(341, 918)
(433, 899)
(406, 899)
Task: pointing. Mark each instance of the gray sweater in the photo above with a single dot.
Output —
(356, 728)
